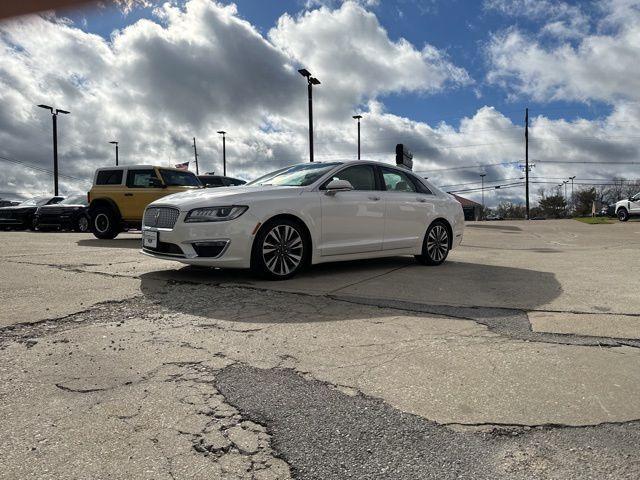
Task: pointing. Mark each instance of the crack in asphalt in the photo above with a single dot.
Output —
(511, 323)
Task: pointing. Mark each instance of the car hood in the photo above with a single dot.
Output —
(17, 208)
(226, 196)
(57, 205)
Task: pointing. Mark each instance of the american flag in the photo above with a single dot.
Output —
(183, 166)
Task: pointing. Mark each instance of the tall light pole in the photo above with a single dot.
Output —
(224, 152)
(311, 81)
(195, 155)
(572, 178)
(54, 116)
(358, 118)
(116, 144)
(482, 175)
(526, 158)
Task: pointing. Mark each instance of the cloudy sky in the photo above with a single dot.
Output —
(451, 79)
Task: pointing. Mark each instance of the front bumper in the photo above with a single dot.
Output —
(223, 244)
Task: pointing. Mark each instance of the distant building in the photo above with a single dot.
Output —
(472, 210)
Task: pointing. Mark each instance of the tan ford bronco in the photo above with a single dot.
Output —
(120, 194)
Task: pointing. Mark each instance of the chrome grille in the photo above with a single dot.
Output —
(160, 217)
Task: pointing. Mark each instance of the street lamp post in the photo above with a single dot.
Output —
(116, 144)
(482, 175)
(54, 116)
(310, 82)
(224, 152)
(572, 200)
(358, 118)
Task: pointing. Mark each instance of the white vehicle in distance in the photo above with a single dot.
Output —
(626, 209)
(306, 214)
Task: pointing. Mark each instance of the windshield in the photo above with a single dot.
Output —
(296, 176)
(175, 178)
(75, 200)
(34, 202)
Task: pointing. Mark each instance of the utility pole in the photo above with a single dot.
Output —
(482, 175)
(358, 117)
(224, 153)
(54, 116)
(565, 189)
(195, 155)
(311, 81)
(116, 144)
(526, 158)
(572, 200)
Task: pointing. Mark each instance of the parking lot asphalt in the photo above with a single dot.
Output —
(518, 358)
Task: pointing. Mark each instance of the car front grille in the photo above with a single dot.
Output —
(160, 217)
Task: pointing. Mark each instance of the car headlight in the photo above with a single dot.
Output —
(215, 214)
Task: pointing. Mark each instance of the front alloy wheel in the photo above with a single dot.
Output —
(83, 224)
(281, 250)
(623, 215)
(436, 245)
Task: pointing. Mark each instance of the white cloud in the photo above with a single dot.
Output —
(562, 20)
(601, 66)
(352, 54)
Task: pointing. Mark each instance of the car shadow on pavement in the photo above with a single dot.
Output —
(133, 243)
(191, 290)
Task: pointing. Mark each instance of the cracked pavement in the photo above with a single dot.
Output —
(500, 364)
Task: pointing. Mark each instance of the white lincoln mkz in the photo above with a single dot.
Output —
(306, 214)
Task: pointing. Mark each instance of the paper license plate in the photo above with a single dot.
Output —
(150, 239)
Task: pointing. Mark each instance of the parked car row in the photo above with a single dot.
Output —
(73, 213)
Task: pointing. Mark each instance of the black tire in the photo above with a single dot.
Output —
(82, 224)
(105, 224)
(623, 214)
(436, 244)
(281, 249)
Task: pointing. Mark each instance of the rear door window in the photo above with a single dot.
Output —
(397, 181)
(141, 178)
(109, 177)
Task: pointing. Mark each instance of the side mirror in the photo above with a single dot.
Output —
(335, 186)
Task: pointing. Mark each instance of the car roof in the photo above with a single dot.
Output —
(140, 167)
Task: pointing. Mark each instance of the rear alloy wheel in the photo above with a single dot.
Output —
(82, 225)
(280, 250)
(104, 223)
(623, 215)
(436, 245)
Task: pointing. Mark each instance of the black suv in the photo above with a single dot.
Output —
(209, 180)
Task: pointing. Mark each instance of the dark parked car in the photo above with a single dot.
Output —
(72, 213)
(211, 181)
(22, 215)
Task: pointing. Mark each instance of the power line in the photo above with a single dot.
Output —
(467, 167)
(40, 169)
(494, 187)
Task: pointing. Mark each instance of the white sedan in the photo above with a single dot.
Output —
(306, 214)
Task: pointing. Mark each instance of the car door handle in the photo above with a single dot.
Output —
(422, 200)
(374, 198)
(128, 194)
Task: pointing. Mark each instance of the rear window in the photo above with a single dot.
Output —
(109, 177)
(176, 178)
